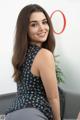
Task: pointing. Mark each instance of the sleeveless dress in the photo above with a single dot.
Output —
(30, 89)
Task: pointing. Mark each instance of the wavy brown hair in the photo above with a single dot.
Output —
(22, 40)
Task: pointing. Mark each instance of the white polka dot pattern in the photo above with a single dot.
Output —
(30, 90)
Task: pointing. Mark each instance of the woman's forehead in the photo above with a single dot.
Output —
(37, 16)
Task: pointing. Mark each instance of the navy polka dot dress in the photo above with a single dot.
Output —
(30, 89)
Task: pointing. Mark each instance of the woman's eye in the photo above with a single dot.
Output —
(34, 25)
(45, 22)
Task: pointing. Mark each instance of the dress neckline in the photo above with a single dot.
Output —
(34, 45)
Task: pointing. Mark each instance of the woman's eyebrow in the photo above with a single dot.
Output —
(37, 21)
(44, 19)
(33, 21)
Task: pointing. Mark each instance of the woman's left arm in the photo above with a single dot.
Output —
(48, 76)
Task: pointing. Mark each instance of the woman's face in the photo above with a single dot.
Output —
(38, 28)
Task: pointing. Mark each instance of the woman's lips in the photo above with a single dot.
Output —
(41, 34)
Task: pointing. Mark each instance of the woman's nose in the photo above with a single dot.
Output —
(41, 26)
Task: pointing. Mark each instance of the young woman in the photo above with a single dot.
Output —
(34, 68)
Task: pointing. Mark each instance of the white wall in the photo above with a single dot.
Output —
(67, 43)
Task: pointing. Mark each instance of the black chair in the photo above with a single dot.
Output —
(62, 102)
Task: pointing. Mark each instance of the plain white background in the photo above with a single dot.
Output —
(67, 43)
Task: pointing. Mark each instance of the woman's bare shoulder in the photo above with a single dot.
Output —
(45, 53)
(45, 56)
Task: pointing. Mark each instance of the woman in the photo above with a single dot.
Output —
(34, 68)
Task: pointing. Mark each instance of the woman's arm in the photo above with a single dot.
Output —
(46, 66)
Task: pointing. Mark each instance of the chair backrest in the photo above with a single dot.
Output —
(5, 101)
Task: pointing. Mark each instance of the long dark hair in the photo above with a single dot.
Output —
(22, 39)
